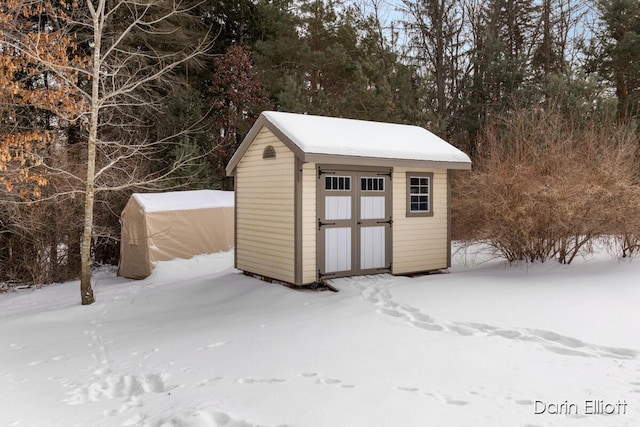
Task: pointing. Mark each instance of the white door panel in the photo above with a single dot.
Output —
(337, 249)
(372, 207)
(372, 247)
(337, 207)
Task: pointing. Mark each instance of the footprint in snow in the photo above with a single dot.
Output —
(39, 362)
(198, 417)
(409, 389)
(329, 381)
(326, 380)
(567, 351)
(461, 330)
(214, 345)
(118, 386)
(259, 381)
(421, 317)
(511, 335)
(457, 402)
(207, 381)
(391, 312)
(374, 290)
(427, 326)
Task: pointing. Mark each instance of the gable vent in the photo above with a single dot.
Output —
(269, 152)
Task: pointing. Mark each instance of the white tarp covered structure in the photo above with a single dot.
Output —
(180, 224)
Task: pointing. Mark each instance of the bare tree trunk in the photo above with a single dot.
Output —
(86, 291)
(546, 37)
(438, 21)
(622, 92)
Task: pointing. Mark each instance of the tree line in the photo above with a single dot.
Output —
(101, 98)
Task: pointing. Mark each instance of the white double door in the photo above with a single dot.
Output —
(354, 222)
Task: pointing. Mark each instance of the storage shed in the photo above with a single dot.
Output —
(179, 224)
(323, 197)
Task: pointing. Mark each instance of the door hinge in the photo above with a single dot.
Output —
(324, 172)
(389, 221)
(320, 223)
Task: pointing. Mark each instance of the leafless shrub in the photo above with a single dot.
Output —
(543, 188)
(39, 240)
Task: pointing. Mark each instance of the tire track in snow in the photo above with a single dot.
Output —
(375, 290)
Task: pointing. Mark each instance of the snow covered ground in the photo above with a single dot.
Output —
(199, 344)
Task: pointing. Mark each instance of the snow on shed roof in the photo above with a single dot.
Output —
(348, 137)
(184, 200)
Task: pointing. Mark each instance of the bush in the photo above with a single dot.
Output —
(40, 240)
(544, 188)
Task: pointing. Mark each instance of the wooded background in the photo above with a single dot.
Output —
(102, 98)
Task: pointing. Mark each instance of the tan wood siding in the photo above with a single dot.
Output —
(309, 223)
(419, 243)
(265, 195)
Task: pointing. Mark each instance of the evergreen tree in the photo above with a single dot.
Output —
(330, 58)
(615, 54)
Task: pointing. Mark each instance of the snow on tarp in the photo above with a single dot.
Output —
(348, 137)
(184, 200)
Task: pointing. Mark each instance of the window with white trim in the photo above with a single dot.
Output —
(419, 194)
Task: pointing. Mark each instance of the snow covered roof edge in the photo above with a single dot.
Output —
(310, 135)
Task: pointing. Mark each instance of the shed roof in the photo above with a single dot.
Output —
(184, 200)
(321, 138)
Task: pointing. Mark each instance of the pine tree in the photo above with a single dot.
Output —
(617, 57)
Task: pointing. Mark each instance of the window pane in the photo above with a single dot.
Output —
(368, 183)
(338, 183)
